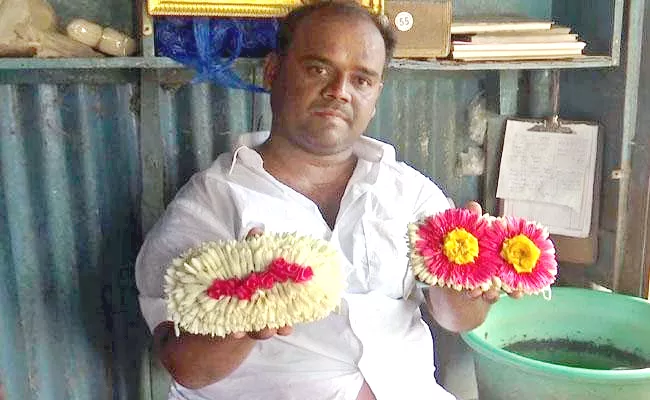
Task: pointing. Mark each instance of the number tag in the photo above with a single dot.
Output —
(404, 21)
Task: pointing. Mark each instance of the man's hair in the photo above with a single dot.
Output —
(336, 7)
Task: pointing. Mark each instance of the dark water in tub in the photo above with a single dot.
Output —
(579, 354)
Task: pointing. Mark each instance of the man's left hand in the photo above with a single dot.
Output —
(491, 295)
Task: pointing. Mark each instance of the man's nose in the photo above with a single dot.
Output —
(338, 88)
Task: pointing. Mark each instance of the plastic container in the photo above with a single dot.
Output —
(573, 315)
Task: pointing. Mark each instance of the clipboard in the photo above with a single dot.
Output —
(549, 205)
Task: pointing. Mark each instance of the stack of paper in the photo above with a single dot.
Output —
(512, 38)
(548, 177)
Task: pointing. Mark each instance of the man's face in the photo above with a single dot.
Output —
(324, 90)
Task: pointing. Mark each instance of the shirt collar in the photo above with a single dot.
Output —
(246, 156)
(373, 150)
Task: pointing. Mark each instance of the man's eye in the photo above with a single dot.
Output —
(364, 82)
(315, 70)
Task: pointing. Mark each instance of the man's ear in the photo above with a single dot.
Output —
(271, 67)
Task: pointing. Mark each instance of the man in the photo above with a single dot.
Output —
(316, 175)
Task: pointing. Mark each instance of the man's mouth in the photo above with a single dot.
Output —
(330, 113)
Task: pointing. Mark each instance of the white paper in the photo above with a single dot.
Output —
(560, 220)
(548, 177)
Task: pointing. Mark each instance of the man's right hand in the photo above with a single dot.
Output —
(264, 334)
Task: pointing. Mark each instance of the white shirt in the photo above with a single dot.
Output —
(377, 335)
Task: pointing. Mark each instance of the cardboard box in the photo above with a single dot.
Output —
(423, 28)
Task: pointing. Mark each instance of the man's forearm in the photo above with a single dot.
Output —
(456, 311)
(196, 361)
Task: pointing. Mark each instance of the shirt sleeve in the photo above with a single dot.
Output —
(431, 199)
(197, 214)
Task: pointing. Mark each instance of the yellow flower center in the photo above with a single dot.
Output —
(521, 253)
(460, 246)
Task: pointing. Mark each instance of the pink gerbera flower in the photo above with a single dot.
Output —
(523, 254)
(447, 249)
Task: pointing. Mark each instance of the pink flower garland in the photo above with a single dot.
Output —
(278, 271)
(462, 250)
(523, 255)
(451, 245)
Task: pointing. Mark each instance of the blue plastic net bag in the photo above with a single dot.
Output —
(211, 45)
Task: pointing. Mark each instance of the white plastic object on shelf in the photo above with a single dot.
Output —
(116, 43)
(107, 40)
(42, 15)
(85, 32)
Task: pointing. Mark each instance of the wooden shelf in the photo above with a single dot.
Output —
(87, 63)
(400, 64)
(450, 65)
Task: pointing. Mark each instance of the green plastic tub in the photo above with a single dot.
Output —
(601, 320)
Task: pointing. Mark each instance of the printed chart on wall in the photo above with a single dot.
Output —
(548, 176)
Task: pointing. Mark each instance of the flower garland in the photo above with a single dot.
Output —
(523, 255)
(448, 250)
(462, 250)
(266, 281)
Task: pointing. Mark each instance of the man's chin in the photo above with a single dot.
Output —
(329, 149)
(326, 148)
(327, 140)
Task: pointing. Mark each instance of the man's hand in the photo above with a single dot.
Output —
(264, 334)
(491, 295)
(459, 311)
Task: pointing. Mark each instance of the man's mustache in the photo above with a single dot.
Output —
(335, 108)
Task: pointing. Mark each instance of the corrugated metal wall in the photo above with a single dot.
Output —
(68, 196)
(78, 162)
(426, 116)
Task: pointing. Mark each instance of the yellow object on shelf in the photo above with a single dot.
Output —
(236, 8)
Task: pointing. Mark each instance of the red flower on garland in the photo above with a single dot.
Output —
(447, 249)
(523, 255)
(278, 271)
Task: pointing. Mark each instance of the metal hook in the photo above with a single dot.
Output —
(552, 122)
